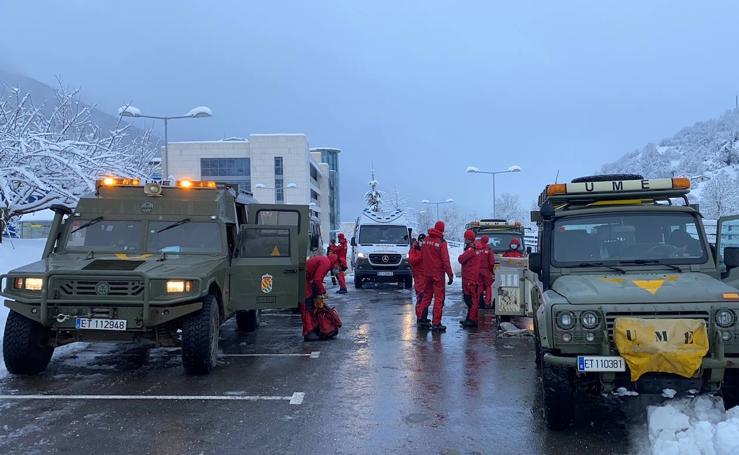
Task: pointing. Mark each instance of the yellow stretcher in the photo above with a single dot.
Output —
(661, 345)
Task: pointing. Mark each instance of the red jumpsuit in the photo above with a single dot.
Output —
(340, 251)
(316, 269)
(435, 257)
(487, 269)
(470, 260)
(514, 250)
(415, 258)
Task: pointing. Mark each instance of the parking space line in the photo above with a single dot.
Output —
(311, 355)
(294, 399)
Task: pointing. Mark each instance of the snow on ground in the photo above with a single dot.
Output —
(14, 254)
(693, 426)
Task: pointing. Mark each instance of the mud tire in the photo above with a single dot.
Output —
(358, 281)
(27, 346)
(730, 388)
(409, 283)
(200, 332)
(558, 394)
(248, 321)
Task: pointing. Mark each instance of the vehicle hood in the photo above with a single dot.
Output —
(383, 249)
(641, 288)
(109, 264)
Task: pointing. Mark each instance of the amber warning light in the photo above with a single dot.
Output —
(615, 186)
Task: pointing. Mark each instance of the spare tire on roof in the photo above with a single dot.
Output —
(607, 178)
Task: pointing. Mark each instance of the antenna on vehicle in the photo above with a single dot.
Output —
(556, 177)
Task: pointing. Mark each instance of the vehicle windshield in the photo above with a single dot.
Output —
(378, 233)
(104, 236)
(623, 238)
(190, 237)
(499, 241)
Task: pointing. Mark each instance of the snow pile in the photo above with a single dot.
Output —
(693, 426)
(129, 110)
(13, 255)
(200, 111)
(624, 392)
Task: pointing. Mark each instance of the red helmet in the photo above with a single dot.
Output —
(515, 241)
(341, 236)
(439, 226)
(485, 239)
(469, 234)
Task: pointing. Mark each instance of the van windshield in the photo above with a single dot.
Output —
(392, 234)
(628, 238)
(500, 241)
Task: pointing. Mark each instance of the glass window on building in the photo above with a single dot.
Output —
(227, 170)
(279, 181)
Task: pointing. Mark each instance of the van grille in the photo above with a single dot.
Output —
(384, 259)
(101, 288)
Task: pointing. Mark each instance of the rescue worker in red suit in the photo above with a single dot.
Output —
(340, 251)
(316, 269)
(470, 260)
(329, 251)
(416, 260)
(435, 258)
(487, 269)
(514, 249)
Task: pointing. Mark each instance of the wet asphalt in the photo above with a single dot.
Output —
(380, 387)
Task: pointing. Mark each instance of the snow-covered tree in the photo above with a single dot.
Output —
(53, 156)
(373, 197)
(454, 222)
(719, 196)
(508, 207)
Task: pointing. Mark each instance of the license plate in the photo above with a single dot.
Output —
(588, 363)
(384, 273)
(100, 324)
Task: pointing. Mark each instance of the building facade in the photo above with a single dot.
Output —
(330, 156)
(276, 168)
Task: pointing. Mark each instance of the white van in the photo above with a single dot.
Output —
(380, 246)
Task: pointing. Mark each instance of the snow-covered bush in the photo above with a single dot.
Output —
(53, 156)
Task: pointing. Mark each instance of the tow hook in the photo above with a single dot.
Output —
(62, 317)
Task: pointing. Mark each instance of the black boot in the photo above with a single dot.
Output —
(469, 324)
(425, 317)
(438, 328)
(422, 324)
(341, 291)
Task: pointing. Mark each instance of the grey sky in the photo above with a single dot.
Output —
(421, 89)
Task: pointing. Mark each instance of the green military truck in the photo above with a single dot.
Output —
(153, 263)
(631, 294)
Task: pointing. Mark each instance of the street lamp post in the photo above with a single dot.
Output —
(437, 204)
(196, 112)
(261, 186)
(474, 170)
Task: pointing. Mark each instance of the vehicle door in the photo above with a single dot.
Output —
(265, 269)
(727, 236)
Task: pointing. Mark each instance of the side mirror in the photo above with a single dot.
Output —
(535, 263)
(353, 242)
(314, 243)
(731, 257)
(528, 250)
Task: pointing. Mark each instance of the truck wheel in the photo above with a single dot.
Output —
(730, 388)
(247, 321)
(358, 281)
(409, 283)
(26, 347)
(558, 393)
(200, 332)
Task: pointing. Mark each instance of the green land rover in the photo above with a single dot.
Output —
(630, 293)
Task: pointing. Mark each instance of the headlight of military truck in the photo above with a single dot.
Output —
(566, 320)
(178, 286)
(589, 319)
(725, 318)
(28, 283)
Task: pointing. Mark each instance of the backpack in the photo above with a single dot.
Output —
(328, 321)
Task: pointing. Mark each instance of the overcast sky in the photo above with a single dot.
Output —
(419, 89)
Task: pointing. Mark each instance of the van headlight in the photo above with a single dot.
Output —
(725, 318)
(361, 256)
(566, 320)
(28, 283)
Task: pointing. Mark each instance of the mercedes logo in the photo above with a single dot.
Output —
(385, 259)
(102, 288)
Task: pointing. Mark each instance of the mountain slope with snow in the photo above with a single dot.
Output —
(707, 152)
